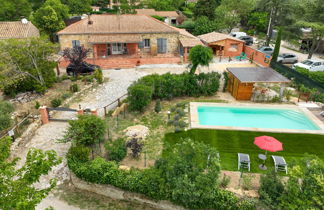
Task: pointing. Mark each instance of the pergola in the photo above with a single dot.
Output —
(242, 79)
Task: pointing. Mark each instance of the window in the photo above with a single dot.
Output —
(233, 47)
(75, 43)
(147, 43)
(317, 64)
(162, 45)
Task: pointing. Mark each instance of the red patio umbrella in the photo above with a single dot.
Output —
(268, 143)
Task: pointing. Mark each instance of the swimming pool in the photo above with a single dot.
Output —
(252, 117)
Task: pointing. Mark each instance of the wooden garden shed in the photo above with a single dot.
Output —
(242, 79)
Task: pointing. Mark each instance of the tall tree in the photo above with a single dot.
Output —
(36, 4)
(78, 7)
(311, 15)
(280, 14)
(203, 25)
(199, 55)
(231, 12)
(277, 46)
(11, 10)
(206, 8)
(48, 21)
(61, 10)
(27, 59)
(17, 189)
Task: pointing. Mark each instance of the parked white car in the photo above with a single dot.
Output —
(311, 65)
(287, 58)
(237, 34)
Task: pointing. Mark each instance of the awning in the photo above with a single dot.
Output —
(190, 42)
(115, 38)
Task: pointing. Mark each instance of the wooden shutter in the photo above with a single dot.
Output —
(159, 45)
(141, 45)
(164, 45)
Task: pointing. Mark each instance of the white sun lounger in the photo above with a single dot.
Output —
(243, 161)
(280, 163)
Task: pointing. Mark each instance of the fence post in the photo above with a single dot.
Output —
(80, 111)
(44, 114)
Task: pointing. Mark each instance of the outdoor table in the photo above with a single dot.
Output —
(262, 157)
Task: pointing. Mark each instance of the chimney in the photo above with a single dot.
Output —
(90, 22)
(24, 21)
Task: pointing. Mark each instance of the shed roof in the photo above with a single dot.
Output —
(18, 30)
(257, 74)
(118, 24)
(215, 36)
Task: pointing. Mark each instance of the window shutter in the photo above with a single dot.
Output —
(159, 45)
(164, 45)
(141, 45)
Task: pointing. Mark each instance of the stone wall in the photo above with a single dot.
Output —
(116, 193)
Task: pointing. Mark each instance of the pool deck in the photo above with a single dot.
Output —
(194, 119)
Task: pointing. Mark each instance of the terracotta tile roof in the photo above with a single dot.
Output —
(190, 42)
(187, 39)
(159, 13)
(124, 38)
(17, 30)
(118, 24)
(214, 37)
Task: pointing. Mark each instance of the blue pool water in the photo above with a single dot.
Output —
(254, 117)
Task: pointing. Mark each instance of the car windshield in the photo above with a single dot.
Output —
(307, 62)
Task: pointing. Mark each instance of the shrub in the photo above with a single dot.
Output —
(5, 144)
(182, 124)
(271, 188)
(168, 86)
(79, 153)
(135, 146)
(116, 150)
(225, 181)
(65, 96)
(86, 130)
(56, 102)
(177, 117)
(98, 76)
(74, 88)
(6, 109)
(247, 181)
(37, 105)
(157, 107)
(139, 97)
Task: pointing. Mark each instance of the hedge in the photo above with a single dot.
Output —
(168, 86)
(180, 178)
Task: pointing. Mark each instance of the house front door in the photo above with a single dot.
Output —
(118, 48)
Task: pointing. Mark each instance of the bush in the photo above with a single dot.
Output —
(139, 97)
(56, 102)
(6, 109)
(157, 107)
(271, 188)
(317, 76)
(225, 181)
(247, 181)
(86, 130)
(37, 105)
(74, 88)
(181, 177)
(79, 153)
(5, 144)
(65, 96)
(168, 86)
(98, 76)
(116, 150)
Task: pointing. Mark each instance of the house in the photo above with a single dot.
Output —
(171, 17)
(95, 8)
(124, 41)
(223, 44)
(18, 29)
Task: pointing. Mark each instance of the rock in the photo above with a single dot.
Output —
(137, 131)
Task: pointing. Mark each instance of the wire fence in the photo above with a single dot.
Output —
(114, 104)
(296, 76)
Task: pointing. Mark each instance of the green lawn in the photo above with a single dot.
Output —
(229, 143)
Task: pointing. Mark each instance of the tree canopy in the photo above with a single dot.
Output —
(206, 8)
(199, 55)
(11, 10)
(16, 185)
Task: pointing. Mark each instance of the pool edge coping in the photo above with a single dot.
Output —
(194, 119)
